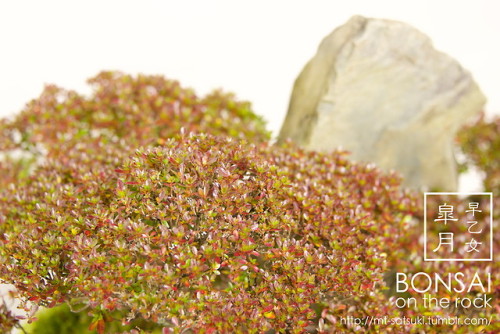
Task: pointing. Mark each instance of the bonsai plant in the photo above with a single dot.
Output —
(143, 207)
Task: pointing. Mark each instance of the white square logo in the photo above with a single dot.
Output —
(458, 226)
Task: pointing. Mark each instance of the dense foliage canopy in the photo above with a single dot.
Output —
(143, 206)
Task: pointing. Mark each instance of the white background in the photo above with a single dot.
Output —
(253, 48)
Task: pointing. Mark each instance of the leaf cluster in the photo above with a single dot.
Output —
(203, 232)
(145, 207)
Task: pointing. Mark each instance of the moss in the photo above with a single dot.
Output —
(61, 320)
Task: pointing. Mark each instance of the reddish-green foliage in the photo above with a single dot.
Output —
(136, 111)
(204, 233)
(412, 263)
(128, 218)
(481, 144)
(7, 319)
(121, 114)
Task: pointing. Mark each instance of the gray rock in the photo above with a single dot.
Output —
(380, 90)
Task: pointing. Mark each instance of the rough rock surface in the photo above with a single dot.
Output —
(379, 89)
